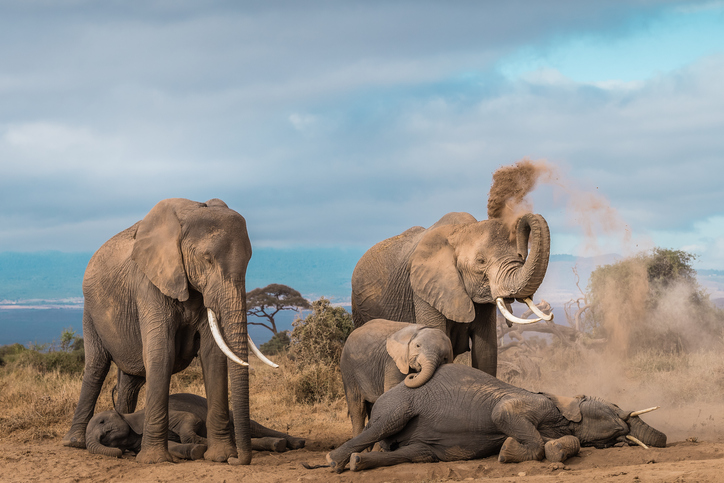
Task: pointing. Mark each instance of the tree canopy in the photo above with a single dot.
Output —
(267, 302)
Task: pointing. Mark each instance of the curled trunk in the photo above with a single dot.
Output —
(525, 279)
(96, 447)
(428, 367)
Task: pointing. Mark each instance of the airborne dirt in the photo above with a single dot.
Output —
(680, 462)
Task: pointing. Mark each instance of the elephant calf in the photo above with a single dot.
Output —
(463, 413)
(381, 354)
(111, 433)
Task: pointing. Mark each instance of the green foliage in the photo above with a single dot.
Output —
(277, 344)
(316, 347)
(268, 301)
(321, 335)
(67, 356)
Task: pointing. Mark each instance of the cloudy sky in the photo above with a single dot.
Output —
(344, 123)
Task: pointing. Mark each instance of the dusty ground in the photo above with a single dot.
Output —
(684, 461)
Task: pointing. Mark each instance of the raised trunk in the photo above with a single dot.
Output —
(645, 433)
(526, 279)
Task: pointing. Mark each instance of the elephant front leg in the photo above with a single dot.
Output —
(158, 355)
(218, 426)
(524, 442)
(413, 453)
(186, 451)
(260, 431)
(559, 450)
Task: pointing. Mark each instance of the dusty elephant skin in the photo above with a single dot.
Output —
(151, 293)
(451, 276)
(381, 354)
(116, 432)
(463, 413)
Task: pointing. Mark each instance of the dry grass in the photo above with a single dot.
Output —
(35, 406)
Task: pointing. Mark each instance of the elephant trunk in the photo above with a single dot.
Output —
(522, 281)
(645, 433)
(94, 446)
(428, 366)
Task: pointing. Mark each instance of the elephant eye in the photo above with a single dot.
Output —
(480, 260)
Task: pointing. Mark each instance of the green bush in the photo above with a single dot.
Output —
(277, 344)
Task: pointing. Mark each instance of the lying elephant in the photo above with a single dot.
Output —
(380, 354)
(463, 413)
(111, 433)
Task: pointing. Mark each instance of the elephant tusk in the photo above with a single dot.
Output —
(534, 308)
(643, 411)
(220, 339)
(258, 353)
(637, 441)
(506, 313)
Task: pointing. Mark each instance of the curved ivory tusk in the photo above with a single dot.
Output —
(637, 441)
(220, 339)
(258, 353)
(643, 411)
(534, 308)
(511, 317)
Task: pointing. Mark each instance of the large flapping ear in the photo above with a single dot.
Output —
(435, 278)
(398, 347)
(157, 250)
(570, 407)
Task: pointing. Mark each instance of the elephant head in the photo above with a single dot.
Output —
(421, 349)
(110, 433)
(601, 424)
(457, 265)
(187, 248)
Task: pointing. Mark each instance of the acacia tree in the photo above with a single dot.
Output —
(267, 302)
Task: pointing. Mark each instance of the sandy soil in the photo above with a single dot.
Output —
(685, 461)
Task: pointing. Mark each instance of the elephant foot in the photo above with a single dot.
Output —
(277, 445)
(295, 443)
(154, 456)
(220, 452)
(514, 452)
(187, 451)
(198, 451)
(559, 450)
(74, 438)
(337, 466)
(355, 462)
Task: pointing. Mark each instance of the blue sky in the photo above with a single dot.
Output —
(344, 123)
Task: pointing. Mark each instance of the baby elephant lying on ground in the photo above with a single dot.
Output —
(111, 433)
(381, 354)
(463, 413)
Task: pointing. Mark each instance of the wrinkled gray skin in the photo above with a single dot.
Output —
(448, 276)
(463, 413)
(380, 354)
(146, 293)
(111, 433)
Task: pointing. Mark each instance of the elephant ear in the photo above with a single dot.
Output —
(570, 407)
(157, 250)
(398, 347)
(216, 202)
(434, 276)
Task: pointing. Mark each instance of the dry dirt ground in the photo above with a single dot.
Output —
(684, 461)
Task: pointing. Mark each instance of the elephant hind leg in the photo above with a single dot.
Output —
(261, 431)
(413, 453)
(128, 388)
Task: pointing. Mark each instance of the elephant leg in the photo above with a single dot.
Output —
(355, 408)
(128, 388)
(484, 352)
(268, 443)
(559, 450)
(188, 426)
(388, 418)
(158, 358)
(218, 426)
(186, 451)
(524, 441)
(97, 364)
(413, 453)
(260, 431)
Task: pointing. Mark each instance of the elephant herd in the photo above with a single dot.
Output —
(172, 287)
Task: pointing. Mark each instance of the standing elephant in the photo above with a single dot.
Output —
(152, 297)
(451, 276)
(463, 413)
(380, 354)
(111, 433)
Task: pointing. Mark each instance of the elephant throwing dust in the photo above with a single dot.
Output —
(157, 294)
(452, 276)
(463, 413)
(111, 433)
(380, 354)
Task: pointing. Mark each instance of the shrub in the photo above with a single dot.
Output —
(277, 344)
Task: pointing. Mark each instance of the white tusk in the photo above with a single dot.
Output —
(637, 441)
(220, 339)
(511, 317)
(643, 411)
(533, 308)
(258, 353)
